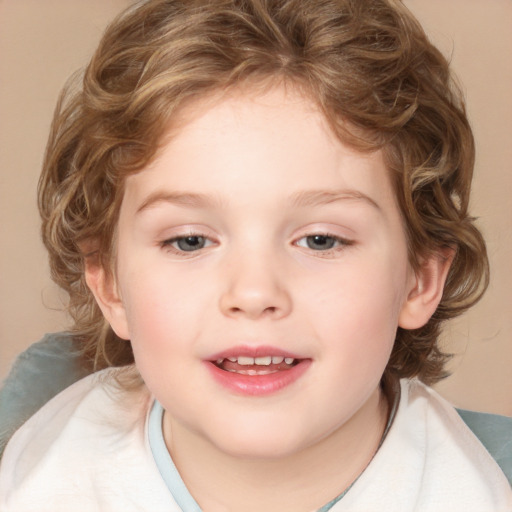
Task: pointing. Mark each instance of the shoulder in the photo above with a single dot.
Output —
(83, 408)
(430, 461)
(85, 448)
(463, 429)
(495, 433)
(37, 375)
(454, 455)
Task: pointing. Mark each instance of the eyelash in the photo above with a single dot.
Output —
(339, 243)
(169, 243)
(342, 243)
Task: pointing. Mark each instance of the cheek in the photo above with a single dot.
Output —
(157, 327)
(166, 313)
(358, 311)
(155, 313)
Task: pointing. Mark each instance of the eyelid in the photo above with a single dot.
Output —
(168, 243)
(340, 239)
(342, 242)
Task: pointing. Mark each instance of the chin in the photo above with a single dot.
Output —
(260, 443)
(261, 452)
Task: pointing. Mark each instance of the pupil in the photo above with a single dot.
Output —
(320, 242)
(191, 243)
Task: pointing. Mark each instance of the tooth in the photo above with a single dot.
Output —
(289, 360)
(264, 361)
(277, 359)
(232, 359)
(245, 361)
(219, 361)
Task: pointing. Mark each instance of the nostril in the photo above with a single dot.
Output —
(271, 310)
(255, 301)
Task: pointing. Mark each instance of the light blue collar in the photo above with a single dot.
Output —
(165, 464)
(173, 479)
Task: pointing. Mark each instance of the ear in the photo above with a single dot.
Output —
(105, 292)
(426, 290)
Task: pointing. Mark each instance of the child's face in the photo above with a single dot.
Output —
(256, 233)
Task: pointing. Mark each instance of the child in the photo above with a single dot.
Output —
(259, 211)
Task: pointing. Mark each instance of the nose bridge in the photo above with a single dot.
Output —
(255, 283)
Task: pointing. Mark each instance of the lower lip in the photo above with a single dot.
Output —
(258, 385)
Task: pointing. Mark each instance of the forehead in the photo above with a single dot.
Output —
(251, 141)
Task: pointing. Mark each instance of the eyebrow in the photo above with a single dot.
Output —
(303, 199)
(188, 199)
(310, 198)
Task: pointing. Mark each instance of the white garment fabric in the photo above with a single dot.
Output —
(87, 450)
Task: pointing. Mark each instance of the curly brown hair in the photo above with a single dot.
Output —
(367, 64)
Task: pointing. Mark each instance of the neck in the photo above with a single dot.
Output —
(306, 480)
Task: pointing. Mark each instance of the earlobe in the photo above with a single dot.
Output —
(426, 290)
(106, 294)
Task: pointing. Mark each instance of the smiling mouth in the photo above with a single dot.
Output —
(259, 371)
(253, 366)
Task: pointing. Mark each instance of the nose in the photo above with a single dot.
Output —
(255, 288)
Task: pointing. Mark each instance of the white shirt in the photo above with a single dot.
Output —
(87, 450)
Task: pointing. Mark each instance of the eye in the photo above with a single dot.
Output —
(322, 242)
(189, 243)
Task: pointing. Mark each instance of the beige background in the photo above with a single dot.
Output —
(43, 41)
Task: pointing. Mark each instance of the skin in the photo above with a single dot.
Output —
(257, 175)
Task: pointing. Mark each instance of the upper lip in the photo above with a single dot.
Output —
(253, 351)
